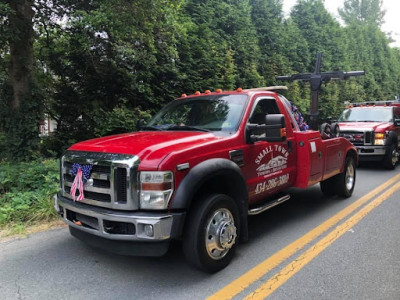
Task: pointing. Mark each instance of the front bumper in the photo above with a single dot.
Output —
(371, 153)
(116, 230)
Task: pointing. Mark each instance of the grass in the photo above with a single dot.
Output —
(26, 194)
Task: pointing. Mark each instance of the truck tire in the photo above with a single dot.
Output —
(345, 181)
(335, 130)
(211, 232)
(390, 159)
(326, 131)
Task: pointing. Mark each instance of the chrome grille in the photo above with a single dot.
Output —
(359, 138)
(112, 182)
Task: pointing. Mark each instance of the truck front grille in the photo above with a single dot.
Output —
(359, 138)
(112, 182)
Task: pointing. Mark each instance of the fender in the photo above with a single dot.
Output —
(204, 172)
(392, 138)
(353, 153)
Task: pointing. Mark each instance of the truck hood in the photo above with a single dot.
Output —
(363, 126)
(149, 146)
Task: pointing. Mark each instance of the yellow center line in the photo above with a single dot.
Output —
(295, 266)
(241, 283)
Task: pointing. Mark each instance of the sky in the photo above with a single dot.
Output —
(392, 16)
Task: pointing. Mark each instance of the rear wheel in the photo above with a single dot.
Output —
(390, 159)
(211, 232)
(345, 181)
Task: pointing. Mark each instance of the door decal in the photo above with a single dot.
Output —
(271, 159)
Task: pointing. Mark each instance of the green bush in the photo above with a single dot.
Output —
(26, 192)
(120, 120)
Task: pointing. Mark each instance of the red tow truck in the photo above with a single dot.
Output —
(195, 173)
(374, 128)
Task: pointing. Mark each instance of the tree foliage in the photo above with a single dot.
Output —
(368, 12)
(96, 67)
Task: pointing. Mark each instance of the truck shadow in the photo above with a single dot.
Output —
(301, 207)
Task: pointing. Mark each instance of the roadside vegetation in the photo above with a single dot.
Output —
(26, 194)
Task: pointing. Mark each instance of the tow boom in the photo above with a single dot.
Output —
(316, 80)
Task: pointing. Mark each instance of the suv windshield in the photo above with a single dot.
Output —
(212, 113)
(367, 114)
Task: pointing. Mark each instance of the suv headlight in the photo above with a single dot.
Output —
(156, 189)
(380, 139)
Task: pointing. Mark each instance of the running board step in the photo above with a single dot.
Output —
(259, 210)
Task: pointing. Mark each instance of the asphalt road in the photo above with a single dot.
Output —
(329, 256)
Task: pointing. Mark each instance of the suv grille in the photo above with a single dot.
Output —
(359, 138)
(112, 182)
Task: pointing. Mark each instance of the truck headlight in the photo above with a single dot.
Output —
(156, 189)
(379, 139)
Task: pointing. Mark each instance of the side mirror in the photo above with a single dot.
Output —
(396, 122)
(274, 129)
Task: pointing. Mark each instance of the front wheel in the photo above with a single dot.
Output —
(211, 232)
(345, 181)
(391, 158)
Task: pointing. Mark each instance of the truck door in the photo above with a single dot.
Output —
(270, 166)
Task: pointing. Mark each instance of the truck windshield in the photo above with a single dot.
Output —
(367, 114)
(206, 113)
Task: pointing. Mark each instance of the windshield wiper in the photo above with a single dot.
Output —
(185, 127)
(148, 127)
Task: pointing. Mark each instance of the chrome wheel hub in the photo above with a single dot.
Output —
(220, 233)
(350, 176)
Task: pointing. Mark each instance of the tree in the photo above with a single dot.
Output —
(108, 54)
(323, 34)
(21, 32)
(228, 34)
(369, 47)
(20, 113)
(267, 17)
(368, 12)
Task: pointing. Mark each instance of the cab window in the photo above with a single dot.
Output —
(262, 108)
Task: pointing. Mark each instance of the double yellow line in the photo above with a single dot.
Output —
(269, 286)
